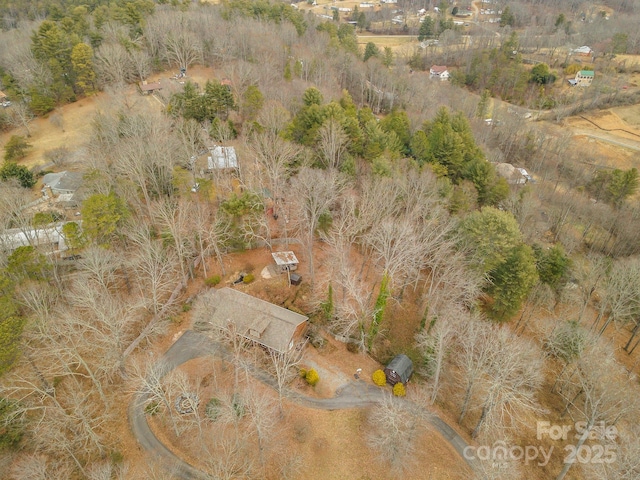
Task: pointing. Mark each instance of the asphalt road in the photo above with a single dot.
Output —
(192, 345)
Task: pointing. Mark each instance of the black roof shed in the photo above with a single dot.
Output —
(399, 369)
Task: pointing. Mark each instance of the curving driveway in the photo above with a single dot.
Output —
(193, 345)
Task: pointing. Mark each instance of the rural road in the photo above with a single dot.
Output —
(193, 345)
(603, 137)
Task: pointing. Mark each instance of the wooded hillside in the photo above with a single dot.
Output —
(218, 130)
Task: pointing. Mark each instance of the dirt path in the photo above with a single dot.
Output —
(190, 345)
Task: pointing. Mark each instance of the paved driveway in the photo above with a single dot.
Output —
(190, 345)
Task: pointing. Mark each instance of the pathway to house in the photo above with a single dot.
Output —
(191, 344)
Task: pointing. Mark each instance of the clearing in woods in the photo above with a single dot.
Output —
(70, 125)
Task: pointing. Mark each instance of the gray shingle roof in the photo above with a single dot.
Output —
(255, 319)
(63, 182)
(402, 365)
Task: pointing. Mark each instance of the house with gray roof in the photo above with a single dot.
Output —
(62, 182)
(399, 370)
(256, 320)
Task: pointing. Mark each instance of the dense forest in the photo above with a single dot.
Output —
(521, 300)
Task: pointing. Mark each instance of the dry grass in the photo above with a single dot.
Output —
(630, 116)
(45, 136)
(381, 41)
(609, 154)
(332, 445)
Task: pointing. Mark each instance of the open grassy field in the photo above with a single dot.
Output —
(393, 41)
(48, 134)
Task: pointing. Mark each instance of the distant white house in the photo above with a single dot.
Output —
(222, 158)
(439, 71)
(584, 50)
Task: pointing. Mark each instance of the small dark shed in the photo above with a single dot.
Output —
(399, 370)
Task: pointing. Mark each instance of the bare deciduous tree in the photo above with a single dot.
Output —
(313, 192)
(626, 465)
(394, 428)
(107, 471)
(21, 116)
(284, 367)
(182, 48)
(141, 61)
(229, 459)
(100, 267)
(275, 157)
(333, 143)
(113, 64)
(39, 467)
(435, 343)
(262, 412)
(155, 267)
(620, 295)
(149, 383)
(596, 390)
(174, 216)
(513, 377)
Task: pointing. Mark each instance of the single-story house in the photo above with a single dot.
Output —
(262, 322)
(439, 71)
(511, 174)
(584, 51)
(525, 174)
(50, 238)
(222, 158)
(285, 261)
(62, 182)
(583, 78)
(399, 370)
(147, 88)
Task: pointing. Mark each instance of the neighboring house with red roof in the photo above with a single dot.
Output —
(147, 88)
(439, 71)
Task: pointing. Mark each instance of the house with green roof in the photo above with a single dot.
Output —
(583, 78)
